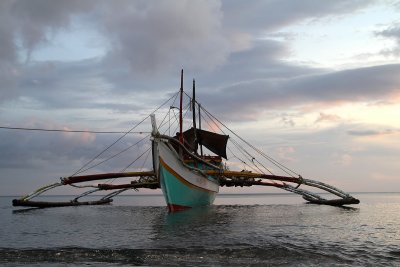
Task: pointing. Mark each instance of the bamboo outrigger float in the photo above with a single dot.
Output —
(188, 178)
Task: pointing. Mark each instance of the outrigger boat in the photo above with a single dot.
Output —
(186, 175)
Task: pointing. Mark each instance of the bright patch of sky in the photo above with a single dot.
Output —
(73, 44)
(384, 115)
(342, 41)
(378, 115)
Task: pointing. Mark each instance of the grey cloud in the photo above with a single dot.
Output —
(392, 32)
(363, 84)
(148, 40)
(62, 85)
(261, 62)
(26, 24)
(155, 39)
(32, 159)
(368, 132)
(262, 15)
(196, 35)
(362, 132)
(23, 26)
(7, 45)
(35, 19)
(166, 35)
(87, 84)
(8, 54)
(29, 149)
(9, 74)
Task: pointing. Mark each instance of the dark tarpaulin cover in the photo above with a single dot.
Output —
(213, 141)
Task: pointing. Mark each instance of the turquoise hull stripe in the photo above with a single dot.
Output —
(179, 193)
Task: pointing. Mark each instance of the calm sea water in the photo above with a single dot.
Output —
(249, 230)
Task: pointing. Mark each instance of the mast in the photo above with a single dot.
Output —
(180, 111)
(194, 116)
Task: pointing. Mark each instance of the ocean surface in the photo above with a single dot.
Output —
(240, 230)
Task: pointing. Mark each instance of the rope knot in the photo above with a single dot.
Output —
(300, 182)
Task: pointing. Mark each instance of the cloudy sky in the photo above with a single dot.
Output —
(315, 84)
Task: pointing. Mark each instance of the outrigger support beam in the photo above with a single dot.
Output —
(147, 180)
(232, 178)
(103, 176)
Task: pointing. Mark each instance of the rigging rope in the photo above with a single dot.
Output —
(273, 161)
(145, 160)
(66, 131)
(243, 151)
(240, 149)
(126, 133)
(113, 156)
(141, 155)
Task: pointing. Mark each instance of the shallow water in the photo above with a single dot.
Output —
(238, 230)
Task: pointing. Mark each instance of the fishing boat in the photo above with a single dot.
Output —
(190, 166)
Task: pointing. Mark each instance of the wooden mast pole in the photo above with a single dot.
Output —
(180, 111)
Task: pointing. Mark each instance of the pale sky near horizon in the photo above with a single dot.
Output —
(315, 84)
